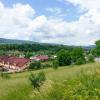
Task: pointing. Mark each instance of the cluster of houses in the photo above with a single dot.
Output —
(11, 63)
(17, 64)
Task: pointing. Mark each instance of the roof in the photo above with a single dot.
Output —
(41, 57)
(20, 62)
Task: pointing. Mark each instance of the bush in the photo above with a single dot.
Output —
(35, 65)
(90, 58)
(37, 79)
(55, 64)
(79, 61)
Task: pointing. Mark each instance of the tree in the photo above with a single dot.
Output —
(63, 57)
(96, 50)
(79, 61)
(77, 53)
(28, 54)
(90, 58)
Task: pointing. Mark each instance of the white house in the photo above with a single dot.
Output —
(97, 59)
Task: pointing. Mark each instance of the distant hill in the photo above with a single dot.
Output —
(13, 41)
(88, 47)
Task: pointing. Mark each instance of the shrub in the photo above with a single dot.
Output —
(55, 64)
(35, 65)
(37, 79)
(90, 58)
(79, 61)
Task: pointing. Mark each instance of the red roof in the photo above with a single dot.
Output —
(20, 62)
(42, 57)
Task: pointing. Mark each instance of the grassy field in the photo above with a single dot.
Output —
(66, 83)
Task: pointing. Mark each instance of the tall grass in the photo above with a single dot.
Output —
(85, 86)
(66, 83)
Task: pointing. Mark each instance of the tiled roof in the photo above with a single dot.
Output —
(20, 62)
(41, 57)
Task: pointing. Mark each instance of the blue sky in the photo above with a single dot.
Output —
(41, 5)
(71, 22)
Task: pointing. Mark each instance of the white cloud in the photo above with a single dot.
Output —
(85, 4)
(20, 22)
(14, 21)
(87, 26)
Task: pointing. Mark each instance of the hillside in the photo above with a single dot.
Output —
(66, 82)
(13, 41)
(46, 45)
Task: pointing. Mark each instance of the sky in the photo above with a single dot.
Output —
(68, 22)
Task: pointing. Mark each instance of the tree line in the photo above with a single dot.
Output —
(33, 47)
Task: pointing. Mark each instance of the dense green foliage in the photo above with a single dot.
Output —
(76, 56)
(33, 47)
(90, 58)
(35, 65)
(77, 53)
(96, 51)
(79, 61)
(28, 54)
(64, 57)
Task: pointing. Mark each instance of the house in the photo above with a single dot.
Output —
(12, 63)
(97, 59)
(40, 58)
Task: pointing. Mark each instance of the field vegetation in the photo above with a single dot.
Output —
(72, 82)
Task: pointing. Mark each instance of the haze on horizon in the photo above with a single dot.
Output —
(70, 22)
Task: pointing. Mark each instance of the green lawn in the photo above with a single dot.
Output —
(59, 82)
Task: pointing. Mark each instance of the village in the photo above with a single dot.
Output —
(18, 64)
(30, 70)
(49, 49)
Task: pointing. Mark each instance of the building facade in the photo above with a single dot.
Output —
(11, 63)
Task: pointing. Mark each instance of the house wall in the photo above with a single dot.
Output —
(25, 66)
(14, 67)
(97, 59)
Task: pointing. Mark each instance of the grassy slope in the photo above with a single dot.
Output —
(18, 86)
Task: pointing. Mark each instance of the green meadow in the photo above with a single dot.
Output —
(65, 83)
